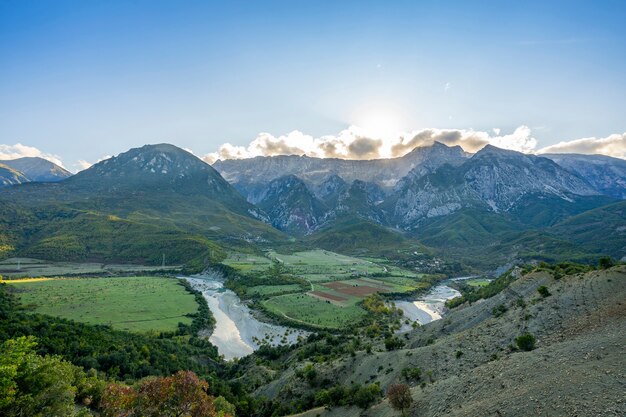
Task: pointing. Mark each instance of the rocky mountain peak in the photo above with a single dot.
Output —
(37, 169)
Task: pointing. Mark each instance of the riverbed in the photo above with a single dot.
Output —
(427, 308)
(237, 332)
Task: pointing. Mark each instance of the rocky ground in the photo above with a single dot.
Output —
(471, 368)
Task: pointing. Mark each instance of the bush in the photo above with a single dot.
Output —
(526, 342)
(499, 310)
(412, 374)
(543, 291)
(393, 343)
(606, 262)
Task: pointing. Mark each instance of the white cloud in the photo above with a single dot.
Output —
(612, 145)
(82, 164)
(19, 151)
(447, 86)
(355, 143)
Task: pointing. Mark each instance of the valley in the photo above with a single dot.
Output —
(312, 208)
(318, 289)
(318, 292)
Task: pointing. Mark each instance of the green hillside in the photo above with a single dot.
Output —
(357, 236)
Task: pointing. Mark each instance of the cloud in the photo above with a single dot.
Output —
(447, 86)
(612, 145)
(82, 164)
(355, 143)
(19, 151)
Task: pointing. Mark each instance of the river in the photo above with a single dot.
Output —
(237, 332)
(429, 307)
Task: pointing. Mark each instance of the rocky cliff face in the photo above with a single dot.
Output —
(305, 193)
(607, 175)
(493, 179)
(290, 205)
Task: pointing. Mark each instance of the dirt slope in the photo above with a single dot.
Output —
(578, 367)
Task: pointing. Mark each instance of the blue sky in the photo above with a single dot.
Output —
(84, 79)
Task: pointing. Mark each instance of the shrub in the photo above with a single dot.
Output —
(412, 374)
(526, 342)
(499, 310)
(393, 343)
(543, 291)
(606, 262)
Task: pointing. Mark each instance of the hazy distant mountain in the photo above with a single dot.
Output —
(33, 169)
(493, 179)
(247, 174)
(10, 176)
(428, 182)
(605, 174)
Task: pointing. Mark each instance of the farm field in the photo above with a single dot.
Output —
(28, 267)
(247, 263)
(137, 304)
(332, 284)
(314, 311)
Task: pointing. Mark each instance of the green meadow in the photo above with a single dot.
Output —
(314, 311)
(138, 304)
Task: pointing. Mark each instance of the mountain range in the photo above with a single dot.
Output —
(426, 183)
(161, 201)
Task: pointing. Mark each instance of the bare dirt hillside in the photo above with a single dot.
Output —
(470, 366)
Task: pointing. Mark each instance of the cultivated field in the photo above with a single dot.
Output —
(137, 304)
(332, 284)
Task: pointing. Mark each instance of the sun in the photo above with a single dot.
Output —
(380, 120)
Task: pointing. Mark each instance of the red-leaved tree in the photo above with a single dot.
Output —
(180, 395)
(399, 396)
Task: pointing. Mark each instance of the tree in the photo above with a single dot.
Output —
(366, 395)
(34, 385)
(399, 397)
(180, 395)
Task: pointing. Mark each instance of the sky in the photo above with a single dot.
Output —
(82, 80)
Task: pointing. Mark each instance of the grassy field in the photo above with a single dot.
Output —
(136, 304)
(314, 311)
(273, 289)
(247, 263)
(478, 282)
(28, 267)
